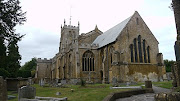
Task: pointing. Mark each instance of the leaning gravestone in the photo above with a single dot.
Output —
(26, 92)
(3, 89)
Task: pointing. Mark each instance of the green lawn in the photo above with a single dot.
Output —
(164, 84)
(95, 92)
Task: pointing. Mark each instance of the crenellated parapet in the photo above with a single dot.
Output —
(45, 60)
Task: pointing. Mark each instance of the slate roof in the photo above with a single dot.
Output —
(111, 35)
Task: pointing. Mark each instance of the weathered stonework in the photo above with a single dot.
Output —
(3, 89)
(132, 55)
(43, 69)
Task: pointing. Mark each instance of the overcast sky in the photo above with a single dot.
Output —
(44, 19)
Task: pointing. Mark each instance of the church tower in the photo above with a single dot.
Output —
(68, 49)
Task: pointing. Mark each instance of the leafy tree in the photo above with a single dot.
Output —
(30, 66)
(24, 73)
(168, 64)
(10, 16)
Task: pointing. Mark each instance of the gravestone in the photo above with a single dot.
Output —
(63, 82)
(114, 81)
(74, 81)
(41, 82)
(173, 96)
(169, 75)
(128, 83)
(57, 81)
(3, 89)
(148, 84)
(27, 92)
(30, 81)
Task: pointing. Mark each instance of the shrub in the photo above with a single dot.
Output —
(83, 83)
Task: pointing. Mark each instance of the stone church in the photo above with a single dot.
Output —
(127, 52)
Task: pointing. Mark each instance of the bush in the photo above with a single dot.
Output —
(4, 73)
(177, 89)
(83, 83)
(33, 72)
(168, 64)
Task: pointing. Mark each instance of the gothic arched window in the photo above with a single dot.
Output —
(132, 55)
(88, 61)
(148, 53)
(139, 48)
(135, 49)
(144, 51)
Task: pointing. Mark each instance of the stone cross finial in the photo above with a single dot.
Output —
(96, 28)
(78, 24)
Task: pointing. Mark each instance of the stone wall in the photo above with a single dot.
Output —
(43, 68)
(3, 89)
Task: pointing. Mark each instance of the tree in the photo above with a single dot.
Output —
(10, 16)
(30, 66)
(24, 73)
(2, 54)
(168, 64)
(13, 57)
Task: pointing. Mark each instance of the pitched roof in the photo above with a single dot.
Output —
(111, 35)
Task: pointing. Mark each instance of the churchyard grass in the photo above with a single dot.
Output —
(14, 93)
(163, 84)
(93, 92)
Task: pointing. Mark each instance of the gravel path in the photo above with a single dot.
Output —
(145, 97)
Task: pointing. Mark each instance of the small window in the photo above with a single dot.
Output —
(137, 21)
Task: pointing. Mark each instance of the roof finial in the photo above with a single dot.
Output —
(96, 28)
(70, 16)
(78, 24)
(61, 26)
(64, 22)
